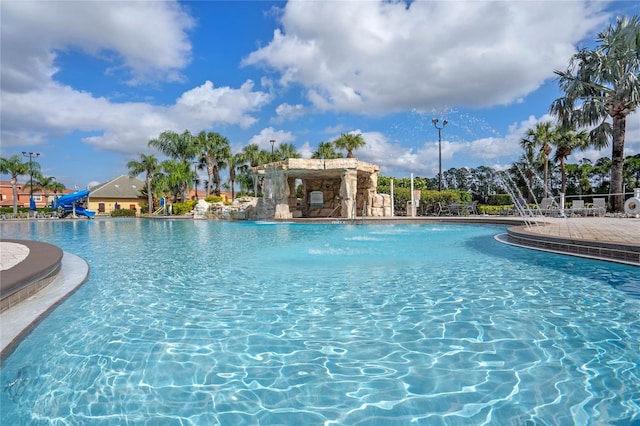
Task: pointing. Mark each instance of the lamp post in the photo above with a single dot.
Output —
(435, 123)
(195, 177)
(31, 155)
(53, 184)
(273, 142)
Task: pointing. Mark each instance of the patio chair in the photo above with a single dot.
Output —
(472, 207)
(443, 209)
(546, 207)
(578, 208)
(599, 206)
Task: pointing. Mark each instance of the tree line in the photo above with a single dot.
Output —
(210, 151)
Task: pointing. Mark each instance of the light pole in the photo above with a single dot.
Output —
(31, 155)
(273, 142)
(195, 177)
(435, 123)
(53, 185)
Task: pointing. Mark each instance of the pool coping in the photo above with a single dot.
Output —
(17, 321)
(523, 236)
(32, 274)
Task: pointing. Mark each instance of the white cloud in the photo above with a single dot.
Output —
(374, 56)
(224, 104)
(33, 33)
(268, 134)
(287, 111)
(56, 110)
(142, 40)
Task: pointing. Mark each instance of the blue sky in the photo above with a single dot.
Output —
(88, 83)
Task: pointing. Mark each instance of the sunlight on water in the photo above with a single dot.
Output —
(203, 323)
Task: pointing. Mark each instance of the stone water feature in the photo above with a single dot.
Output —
(341, 188)
(336, 188)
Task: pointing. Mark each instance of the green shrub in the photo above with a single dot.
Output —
(214, 199)
(494, 210)
(429, 198)
(180, 209)
(25, 210)
(500, 199)
(123, 213)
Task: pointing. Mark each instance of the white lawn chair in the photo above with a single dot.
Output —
(578, 208)
(599, 206)
(546, 207)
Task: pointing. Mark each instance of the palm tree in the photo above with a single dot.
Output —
(251, 154)
(525, 167)
(45, 183)
(214, 149)
(232, 162)
(327, 151)
(284, 151)
(603, 83)
(176, 178)
(566, 142)
(57, 187)
(178, 146)
(350, 142)
(148, 165)
(541, 136)
(14, 167)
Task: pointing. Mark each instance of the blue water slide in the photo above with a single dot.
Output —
(81, 211)
(66, 202)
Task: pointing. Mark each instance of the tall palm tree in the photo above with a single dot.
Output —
(14, 167)
(214, 149)
(525, 166)
(232, 163)
(178, 146)
(566, 142)
(148, 165)
(541, 137)
(252, 156)
(603, 83)
(349, 142)
(327, 151)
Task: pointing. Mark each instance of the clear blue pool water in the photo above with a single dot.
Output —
(205, 323)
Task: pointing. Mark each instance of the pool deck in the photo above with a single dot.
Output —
(26, 264)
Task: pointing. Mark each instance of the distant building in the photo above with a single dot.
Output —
(123, 192)
(41, 198)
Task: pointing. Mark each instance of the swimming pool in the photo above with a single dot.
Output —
(206, 322)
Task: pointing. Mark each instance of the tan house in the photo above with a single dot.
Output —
(122, 192)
